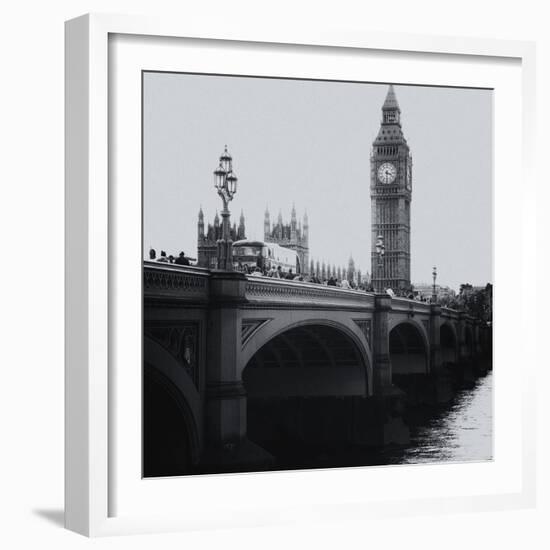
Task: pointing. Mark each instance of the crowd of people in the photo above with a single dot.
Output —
(181, 259)
(280, 273)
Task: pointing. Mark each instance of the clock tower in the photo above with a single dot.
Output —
(391, 194)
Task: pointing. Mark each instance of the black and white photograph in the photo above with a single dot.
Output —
(317, 274)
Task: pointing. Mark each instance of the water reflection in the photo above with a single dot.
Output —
(462, 432)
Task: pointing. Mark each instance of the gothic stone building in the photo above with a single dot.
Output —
(391, 194)
(207, 241)
(294, 235)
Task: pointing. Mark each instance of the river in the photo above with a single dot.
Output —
(460, 432)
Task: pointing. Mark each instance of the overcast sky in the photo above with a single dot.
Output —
(309, 143)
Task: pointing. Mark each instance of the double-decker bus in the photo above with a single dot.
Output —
(249, 254)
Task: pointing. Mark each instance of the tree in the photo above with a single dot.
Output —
(477, 302)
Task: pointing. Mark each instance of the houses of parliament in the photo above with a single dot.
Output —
(293, 235)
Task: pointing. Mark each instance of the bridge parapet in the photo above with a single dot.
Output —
(451, 314)
(404, 305)
(175, 282)
(299, 294)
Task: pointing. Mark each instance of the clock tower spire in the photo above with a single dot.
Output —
(391, 195)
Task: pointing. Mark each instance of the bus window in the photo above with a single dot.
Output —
(247, 251)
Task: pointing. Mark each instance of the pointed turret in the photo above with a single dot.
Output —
(217, 227)
(390, 104)
(293, 224)
(241, 233)
(200, 225)
(279, 227)
(267, 225)
(351, 269)
(390, 132)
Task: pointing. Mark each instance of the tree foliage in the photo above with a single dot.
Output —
(475, 302)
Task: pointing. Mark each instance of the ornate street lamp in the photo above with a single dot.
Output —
(380, 250)
(225, 182)
(434, 294)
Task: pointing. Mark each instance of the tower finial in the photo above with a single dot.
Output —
(390, 102)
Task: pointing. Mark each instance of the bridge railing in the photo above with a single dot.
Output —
(192, 284)
(407, 305)
(175, 281)
(449, 313)
(300, 293)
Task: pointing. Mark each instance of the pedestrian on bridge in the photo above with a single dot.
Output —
(181, 259)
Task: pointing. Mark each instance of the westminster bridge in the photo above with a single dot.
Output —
(232, 362)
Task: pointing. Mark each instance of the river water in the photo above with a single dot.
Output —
(458, 433)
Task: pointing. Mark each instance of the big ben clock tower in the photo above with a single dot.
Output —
(391, 194)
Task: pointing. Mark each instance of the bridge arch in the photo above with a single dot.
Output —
(172, 420)
(284, 323)
(303, 386)
(449, 343)
(408, 349)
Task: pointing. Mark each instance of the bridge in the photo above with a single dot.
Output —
(235, 363)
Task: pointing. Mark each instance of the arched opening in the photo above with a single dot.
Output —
(409, 361)
(302, 387)
(408, 352)
(166, 431)
(448, 345)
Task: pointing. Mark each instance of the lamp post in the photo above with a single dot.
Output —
(434, 294)
(225, 182)
(380, 250)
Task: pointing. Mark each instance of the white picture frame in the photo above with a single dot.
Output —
(94, 489)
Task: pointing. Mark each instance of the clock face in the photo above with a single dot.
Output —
(387, 173)
(409, 177)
